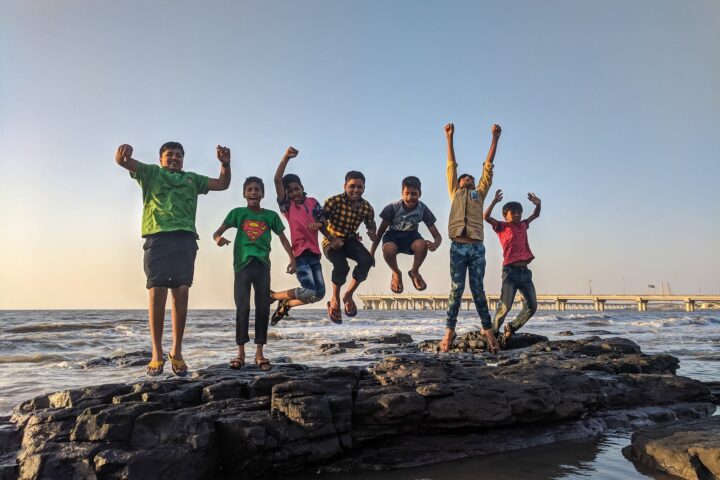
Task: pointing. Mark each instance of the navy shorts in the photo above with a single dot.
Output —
(169, 259)
(403, 240)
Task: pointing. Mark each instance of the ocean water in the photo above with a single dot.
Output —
(44, 351)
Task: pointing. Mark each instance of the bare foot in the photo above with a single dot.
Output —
(492, 343)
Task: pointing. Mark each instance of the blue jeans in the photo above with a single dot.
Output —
(467, 257)
(309, 274)
(514, 279)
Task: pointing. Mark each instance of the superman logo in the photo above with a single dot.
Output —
(254, 229)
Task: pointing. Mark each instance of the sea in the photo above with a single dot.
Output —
(46, 351)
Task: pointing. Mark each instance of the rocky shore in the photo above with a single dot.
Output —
(414, 406)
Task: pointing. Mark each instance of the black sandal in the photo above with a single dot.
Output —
(282, 311)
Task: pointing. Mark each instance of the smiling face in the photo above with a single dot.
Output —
(513, 216)
(354, 189)
(253, 193)
(294, 191)
(172, 159)
(410, 197)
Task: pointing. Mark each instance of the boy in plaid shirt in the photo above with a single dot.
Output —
(343, 215)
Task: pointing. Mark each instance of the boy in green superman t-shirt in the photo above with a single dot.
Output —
(251, 263)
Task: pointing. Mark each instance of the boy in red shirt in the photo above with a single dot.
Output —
(516, 257)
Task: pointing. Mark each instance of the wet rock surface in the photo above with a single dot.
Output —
(403, 410)
(686, 449)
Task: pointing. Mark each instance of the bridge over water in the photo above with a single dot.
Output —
(547, 302)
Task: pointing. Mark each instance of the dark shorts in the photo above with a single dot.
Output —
(403, 240)
(169, 259)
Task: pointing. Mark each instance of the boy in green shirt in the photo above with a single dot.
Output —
(251, 262)
(168, 226)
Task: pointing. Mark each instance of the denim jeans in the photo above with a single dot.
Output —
(310, 275)
(470, 258)
(514, 279)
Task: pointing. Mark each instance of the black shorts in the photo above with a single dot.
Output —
(403, 240)
(169, 259)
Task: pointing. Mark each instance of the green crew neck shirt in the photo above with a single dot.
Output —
(253, 234)
(169, 198)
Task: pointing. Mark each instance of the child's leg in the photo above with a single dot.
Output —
(390, 251)
(419, 249)
(318, 280)
(261, 285)
(357, 251)
(156, 316)
(476, 272)
(180, 297)
(458, 267)
(527, 288)
(340, 271)
(242, 305)
(507, 297)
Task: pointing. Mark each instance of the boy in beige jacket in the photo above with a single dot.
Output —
(465, 229)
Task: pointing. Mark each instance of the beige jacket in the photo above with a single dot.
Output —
(466, 210)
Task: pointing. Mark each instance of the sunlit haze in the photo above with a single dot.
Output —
(610, 113)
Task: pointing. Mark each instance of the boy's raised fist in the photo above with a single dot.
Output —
(291, 152)
(449, 129)
(124, 152)
(496, 130)
(223, 154)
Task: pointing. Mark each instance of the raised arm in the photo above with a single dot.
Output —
(123, 157)
(219, 239)
(488, 211)
(223, 181)
(451, 163)
(486, 178)
(535, 201)
(291, 152)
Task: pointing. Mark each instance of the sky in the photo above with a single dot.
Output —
(610, 113)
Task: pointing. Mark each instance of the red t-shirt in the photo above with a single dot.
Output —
(514, 241)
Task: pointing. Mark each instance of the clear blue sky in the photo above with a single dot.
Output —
(610, 113)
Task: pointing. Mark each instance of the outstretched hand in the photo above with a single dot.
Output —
(222, 241)
(314, 226)
(449, 130)
(291, 152)
(124, 152)
(534, 199)
(498, 196)
(223, 154)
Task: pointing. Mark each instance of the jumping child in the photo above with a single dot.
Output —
(401, 219)
(251, 262)
(343, 215)
(305, 217)
(516, 257)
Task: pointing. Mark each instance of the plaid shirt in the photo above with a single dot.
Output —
(343, 220)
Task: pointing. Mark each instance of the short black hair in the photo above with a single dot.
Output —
(354, 175)
(169, 145)
(257, 180)
(290, 178)
(512, 207)
(460, 178)
(411, 182)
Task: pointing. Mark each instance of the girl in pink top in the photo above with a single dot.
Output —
(305, 216)
(516, 257)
